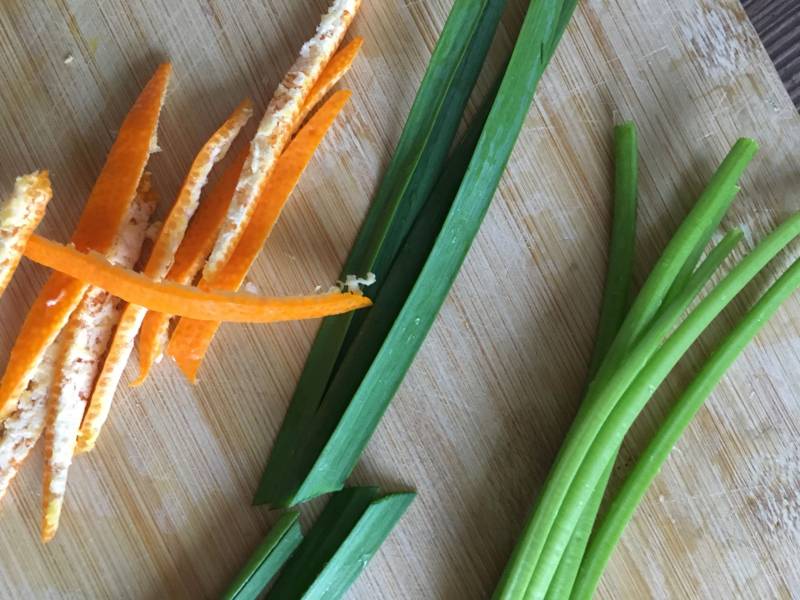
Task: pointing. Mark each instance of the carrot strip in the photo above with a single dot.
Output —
(199, 239)
(183, 300)
(277, 126)
(339, 66)
(295, 159)
(105, 210)
(19, 216)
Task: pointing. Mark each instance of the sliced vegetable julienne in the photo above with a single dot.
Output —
(176, 223)
(649, 463)
(24, 426)
(183, 300)
(337, 68)
(105, 210)
(199, 239)
(277, 126)
(84, 342)
(188, 347)
(20, 214)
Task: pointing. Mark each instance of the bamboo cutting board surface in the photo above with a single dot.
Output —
(162, 508)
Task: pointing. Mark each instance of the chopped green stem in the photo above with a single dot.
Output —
(597, 444)
(623, 243)
(416, 164)
(270, 556)
(714, 200)
(697, 252)
(612, 313)
(649, 464)
(592, 416)
(567, 568)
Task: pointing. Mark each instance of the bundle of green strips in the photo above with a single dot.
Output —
(637, 348)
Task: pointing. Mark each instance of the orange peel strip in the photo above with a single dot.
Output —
(183, 300)
(184, 346)
(276, 127)
(108, 203)
(20, 214)
(83, 343)
(199, 239)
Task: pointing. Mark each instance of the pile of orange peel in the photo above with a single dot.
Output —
(75, 342)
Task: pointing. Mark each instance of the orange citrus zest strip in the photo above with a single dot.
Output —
(189, 259)
(188, 348)
(19, 216)
(203, 229)
(337, 68)
(277, 126)
(105, 210)
(182, 300)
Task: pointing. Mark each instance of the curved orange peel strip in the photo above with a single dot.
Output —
(276, 127)
(105, 210)
(199, 239)
(20, 214)
(290, 167)
(183, 300)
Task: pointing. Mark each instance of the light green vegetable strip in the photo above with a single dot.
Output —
(610, 382)
(567, 569)
(267, 560)
(657, 451)
(612, 313)
(611, 427)
(691, 262)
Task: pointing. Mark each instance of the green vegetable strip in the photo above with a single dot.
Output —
(355, 424)
(267, 560)
(427, 135)
(610, 382)
(612, 428)
(433, 160)
(684, 410)
(568, 566)
(697, 252)
(623, 243)
(349, 531)
(469, 207)
(614, 305)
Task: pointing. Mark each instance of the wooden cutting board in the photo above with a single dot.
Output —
(162, 508)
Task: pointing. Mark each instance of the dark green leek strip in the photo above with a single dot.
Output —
(649, 464)
(629, 404)
(619, 280)
(415, 167)
(389, 366)
(283, 539)
(611, 382)
(351, 528)
(301, 470)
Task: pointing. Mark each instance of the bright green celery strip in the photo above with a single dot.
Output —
(568, 566)
(417, 162)
(284, 537)
(649, 464)
(610, 381)
(612, 312)
(350, 426)
(347, 534)
(389, 366)
(610, 427)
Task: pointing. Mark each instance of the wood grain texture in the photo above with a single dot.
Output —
(161, 508)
